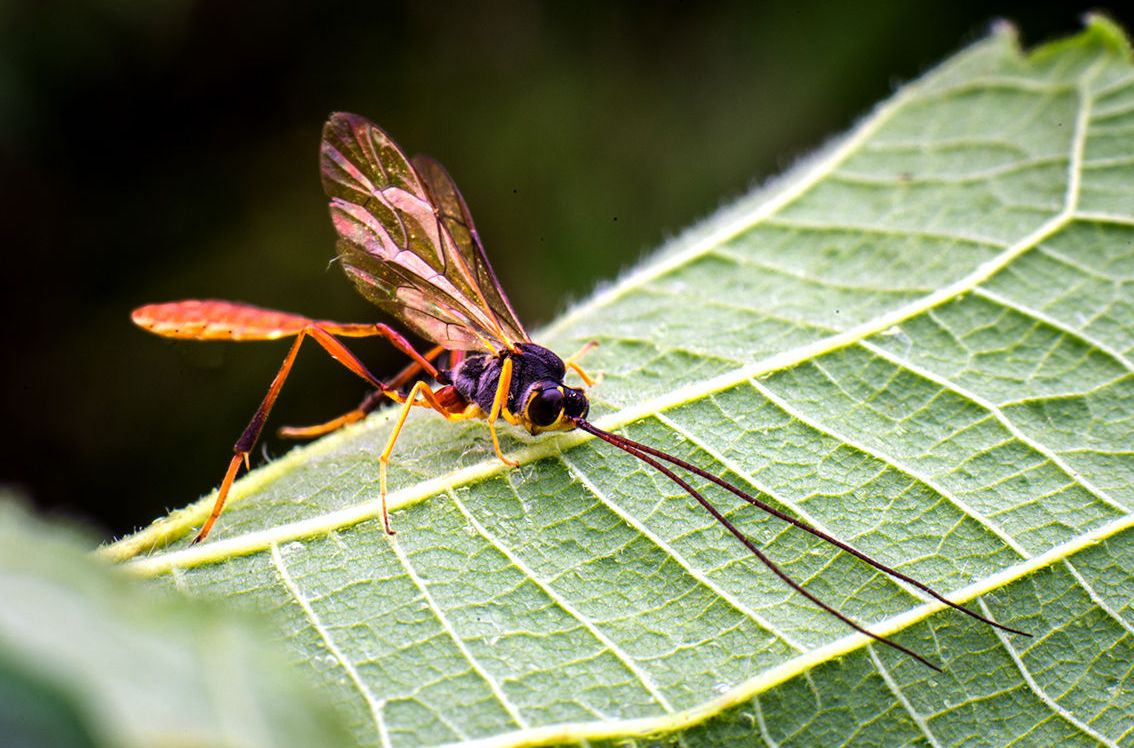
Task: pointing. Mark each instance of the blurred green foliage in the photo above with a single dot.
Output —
(157, 151)
(90, 657)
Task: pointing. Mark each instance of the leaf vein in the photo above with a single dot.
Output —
(811, 280)
(1098, 216)
(1049, 251)
(742, 216)
(1097, 600)
(1001, 418)
(895, 463)
(747, 213)
(1112, 87)
(447, 626)
(918, 719)
(681, 561)
(1052, 322)
(800, 224)
(981, 175)
(793, 323)
(329, 642)
(1079, 140)
(1056, 708)
(611, 646)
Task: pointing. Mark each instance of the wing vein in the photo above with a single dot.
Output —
(408, 243)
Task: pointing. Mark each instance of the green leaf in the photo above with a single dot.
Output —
(918, 340)
(91, 657)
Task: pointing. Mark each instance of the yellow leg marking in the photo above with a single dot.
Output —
(429, 400)
(503, 385)
(572, 363)
(384, 458)
(410, 400)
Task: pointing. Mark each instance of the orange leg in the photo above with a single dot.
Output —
(499, 405)
(371, 402)
(251, 434)
(368, 404)
(410, 400)
(214, 319)
(424, 363)
(572, 363)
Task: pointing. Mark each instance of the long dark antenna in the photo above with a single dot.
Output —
(622, 442)
(646, 454)
(630, 448)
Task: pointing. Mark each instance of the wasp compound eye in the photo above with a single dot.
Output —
(545, 407)
(575, 404)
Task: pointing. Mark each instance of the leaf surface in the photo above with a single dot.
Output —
(919, 340)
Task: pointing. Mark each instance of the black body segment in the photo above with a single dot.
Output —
(478, 375)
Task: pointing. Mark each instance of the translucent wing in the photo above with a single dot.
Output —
(455, 216)
(396, 241)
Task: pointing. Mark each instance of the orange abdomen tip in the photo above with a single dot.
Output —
(212, 319)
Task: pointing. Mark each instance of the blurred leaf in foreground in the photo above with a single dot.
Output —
(91, 657)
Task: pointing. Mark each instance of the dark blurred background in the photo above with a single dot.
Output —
(151, 151)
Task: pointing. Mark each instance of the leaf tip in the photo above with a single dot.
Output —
(1108, 33)
(1099, 32)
